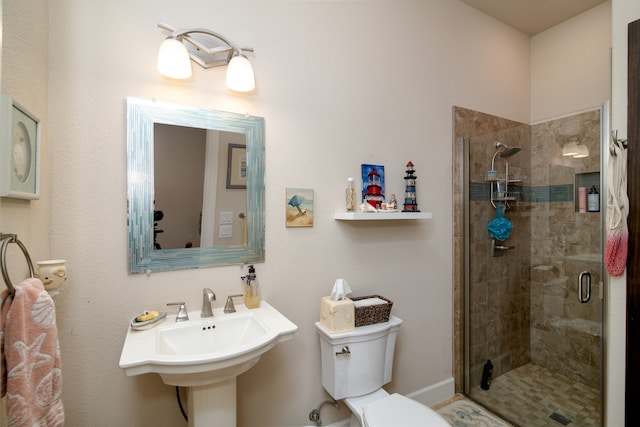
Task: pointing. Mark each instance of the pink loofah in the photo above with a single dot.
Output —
(615, 252)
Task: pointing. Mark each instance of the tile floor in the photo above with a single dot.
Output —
(459, 411)
(527, 396)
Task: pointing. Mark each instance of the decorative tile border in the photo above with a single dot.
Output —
(479, 192)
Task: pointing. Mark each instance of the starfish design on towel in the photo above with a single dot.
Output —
(31, 357)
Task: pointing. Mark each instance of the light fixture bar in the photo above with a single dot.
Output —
(200, 53)
(208, 49)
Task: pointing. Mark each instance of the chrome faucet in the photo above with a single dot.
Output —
(207, 297)
(229, 307)
(182, 311)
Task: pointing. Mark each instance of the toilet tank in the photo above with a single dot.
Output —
(360, 361)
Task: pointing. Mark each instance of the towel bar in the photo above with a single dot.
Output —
(6, 239)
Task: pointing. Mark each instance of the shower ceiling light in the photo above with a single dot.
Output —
(207, 49)
(583, 151)
(570, 149)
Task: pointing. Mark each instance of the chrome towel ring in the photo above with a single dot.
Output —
(6, 239)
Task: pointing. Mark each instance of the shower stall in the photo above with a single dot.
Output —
(528, 290)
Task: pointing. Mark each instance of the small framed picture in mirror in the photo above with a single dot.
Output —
(237, 166)
(19, 151)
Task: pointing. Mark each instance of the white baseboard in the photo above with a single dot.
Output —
(435, 393)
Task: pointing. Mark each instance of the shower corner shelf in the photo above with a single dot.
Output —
(508, 196)
(512, 179)
(373, 216)
(499, 191)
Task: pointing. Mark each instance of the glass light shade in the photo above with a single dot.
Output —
(173, 60)
(570, 149)
(583, 151)
(240, 77)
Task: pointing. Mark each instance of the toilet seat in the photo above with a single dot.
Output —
(397, 410)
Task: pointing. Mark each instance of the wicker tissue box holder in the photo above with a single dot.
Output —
(371, 314)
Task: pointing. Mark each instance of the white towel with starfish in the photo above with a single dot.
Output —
(31, 374)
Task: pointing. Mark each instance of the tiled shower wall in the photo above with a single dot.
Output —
(499, 286)
(524, 304)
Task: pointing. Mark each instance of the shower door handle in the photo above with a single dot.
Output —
(582, 297)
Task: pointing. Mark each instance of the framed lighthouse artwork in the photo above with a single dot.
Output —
(373, 185)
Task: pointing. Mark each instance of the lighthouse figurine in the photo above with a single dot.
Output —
(410, 203)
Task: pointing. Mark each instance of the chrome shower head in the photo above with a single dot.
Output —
(507, 152)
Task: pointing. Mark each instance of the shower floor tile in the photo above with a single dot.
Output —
(531, 395)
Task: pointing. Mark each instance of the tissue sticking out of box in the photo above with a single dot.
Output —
(340, 290)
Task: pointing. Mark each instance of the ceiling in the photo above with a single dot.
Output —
(532, 16)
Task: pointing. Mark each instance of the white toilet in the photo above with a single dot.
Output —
(355, 366)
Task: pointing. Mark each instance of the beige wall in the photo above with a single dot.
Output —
(570, 65)
(332, 98)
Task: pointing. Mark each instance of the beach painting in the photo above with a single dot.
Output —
(299, 207)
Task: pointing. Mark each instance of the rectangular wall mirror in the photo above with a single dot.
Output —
(195, 187)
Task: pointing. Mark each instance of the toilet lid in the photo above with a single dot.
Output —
(397, 410)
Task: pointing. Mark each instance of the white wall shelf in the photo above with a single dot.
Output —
(373, 216)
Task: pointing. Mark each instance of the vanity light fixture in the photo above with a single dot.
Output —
(207, 49)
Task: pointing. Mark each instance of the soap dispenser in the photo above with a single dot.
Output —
(251, 297)
(593, 200)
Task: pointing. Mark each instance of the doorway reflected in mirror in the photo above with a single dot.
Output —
(193, 213)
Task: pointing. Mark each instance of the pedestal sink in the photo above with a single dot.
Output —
(206, 355)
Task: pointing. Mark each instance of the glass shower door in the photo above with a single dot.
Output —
(534, 311)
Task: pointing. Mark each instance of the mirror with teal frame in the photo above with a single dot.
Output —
(141, 117)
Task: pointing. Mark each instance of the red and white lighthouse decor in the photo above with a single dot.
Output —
(410, 202)
(374, 194)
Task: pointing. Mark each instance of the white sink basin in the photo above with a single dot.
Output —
(205, 351)
(222, 335)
